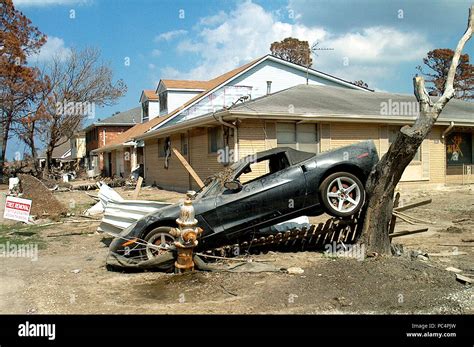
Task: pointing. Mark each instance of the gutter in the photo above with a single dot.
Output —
(236, 133)
(113, 147)
(447, 130)
(212, 118)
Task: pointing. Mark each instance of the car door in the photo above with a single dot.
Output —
(240, 209)
(272, 195)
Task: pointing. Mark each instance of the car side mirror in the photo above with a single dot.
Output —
(234, 186)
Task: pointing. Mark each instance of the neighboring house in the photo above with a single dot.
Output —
(103, 132)
(60, 156)
(150, 105)
(312, 118)
(78, 147)
(180, 102)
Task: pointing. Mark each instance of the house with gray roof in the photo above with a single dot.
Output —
(312, 118)
(101, 132)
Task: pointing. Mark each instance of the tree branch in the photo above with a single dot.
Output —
(421, 94)
(449, 86)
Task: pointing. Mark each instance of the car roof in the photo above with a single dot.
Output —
(294, 155)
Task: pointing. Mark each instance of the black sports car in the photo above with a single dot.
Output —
(260, 191)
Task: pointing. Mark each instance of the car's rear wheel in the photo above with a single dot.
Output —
(342, 194)
(159, 241)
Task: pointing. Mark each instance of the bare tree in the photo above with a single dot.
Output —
(78, 84)
(387, 172)
(292, 50)
(437, 63)
(19, 83)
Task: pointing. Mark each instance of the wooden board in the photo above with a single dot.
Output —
(188, 167)
(136, 192)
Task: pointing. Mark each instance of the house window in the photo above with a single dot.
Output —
(286, 135)
(303, 137)
(184, 144)
(163, 101)
(392, 135)
(214, 139)
(459, 149)
(145, 114)
(161, 148)
(92, 135)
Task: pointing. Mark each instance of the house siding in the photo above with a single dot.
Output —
(258, 135)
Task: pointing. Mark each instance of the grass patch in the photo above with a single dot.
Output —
(79, 208)
(22, 234)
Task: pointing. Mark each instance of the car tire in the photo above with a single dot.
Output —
(157, 237)
(342, 194)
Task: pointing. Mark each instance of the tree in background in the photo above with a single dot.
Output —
(26, 129)
(77, 85)
(361, 83)
(439, 61)
(292, 50)
(19, 83)
(386, 174)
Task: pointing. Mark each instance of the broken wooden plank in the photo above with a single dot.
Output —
(414, 219)
(73, 233)
(464, 279)
(461, 220)
(136, 192)
(393, 221)
(398, 215)
(413, 205)
(408, 232)
(453, 269)
(447, 254)
(188, 167)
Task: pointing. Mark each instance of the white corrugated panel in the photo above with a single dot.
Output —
(120, 215)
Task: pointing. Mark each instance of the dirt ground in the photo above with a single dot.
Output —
(69, 275)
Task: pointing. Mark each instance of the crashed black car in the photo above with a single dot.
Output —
(284, 184)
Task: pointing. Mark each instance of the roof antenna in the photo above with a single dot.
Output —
(313, 49)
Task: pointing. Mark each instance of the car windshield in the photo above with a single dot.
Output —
(215, 183)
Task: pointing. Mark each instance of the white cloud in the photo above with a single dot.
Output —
(248, 31)
(54, 47)
(170, 73)
(216, 19)
(44, 3)
(246, 34)
(169, 35)
(156, 52)
(151, 66)
(381, 45)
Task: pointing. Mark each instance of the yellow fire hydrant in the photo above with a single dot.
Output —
(188, 233)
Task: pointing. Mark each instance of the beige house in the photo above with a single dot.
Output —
(175, 101)
(314, 119)
(78, 146)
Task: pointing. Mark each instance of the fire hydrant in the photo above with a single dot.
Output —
(187, 234)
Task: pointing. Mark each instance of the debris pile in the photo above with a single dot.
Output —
(44, 202)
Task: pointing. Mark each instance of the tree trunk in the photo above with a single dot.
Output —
(380, 188)
(386, 174)
(3, 155)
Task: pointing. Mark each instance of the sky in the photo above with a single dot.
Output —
(378, 41)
